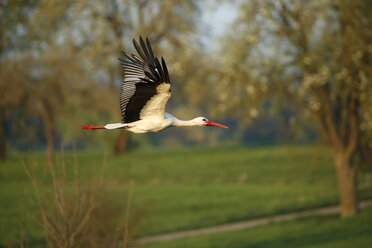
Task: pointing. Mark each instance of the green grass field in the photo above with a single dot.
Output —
(186, 188)
(315, 232)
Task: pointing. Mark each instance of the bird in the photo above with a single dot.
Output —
(144, 93)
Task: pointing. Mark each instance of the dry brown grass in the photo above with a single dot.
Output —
(80, 213)
(64, 215)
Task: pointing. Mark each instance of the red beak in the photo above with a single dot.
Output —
(212, 123)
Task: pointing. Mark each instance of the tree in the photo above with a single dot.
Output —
(28, 72)
(316, 54)
(12, 34)
(41, 87)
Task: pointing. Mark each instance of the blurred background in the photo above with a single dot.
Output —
(292, 80)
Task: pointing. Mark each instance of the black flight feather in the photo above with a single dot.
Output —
(139, 50)
(144, 49)
(160, 70)
(150, 49)
(165, 70)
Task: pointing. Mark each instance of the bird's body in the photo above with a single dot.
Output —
(144, 126)
(144, 94)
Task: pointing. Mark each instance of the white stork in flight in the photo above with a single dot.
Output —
(144, 94)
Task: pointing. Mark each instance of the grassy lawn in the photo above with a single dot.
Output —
(314, 232)
(186, 188)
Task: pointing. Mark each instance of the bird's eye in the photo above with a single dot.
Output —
(205, 119)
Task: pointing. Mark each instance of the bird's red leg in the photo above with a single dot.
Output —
(92, 127)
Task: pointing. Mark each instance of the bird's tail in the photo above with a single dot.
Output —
(92, 127)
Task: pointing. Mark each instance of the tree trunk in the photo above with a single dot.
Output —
(48, 118)
(347, 185)
(2, 135)
(50, 141)
(121, 143)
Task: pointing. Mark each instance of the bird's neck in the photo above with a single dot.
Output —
(184, 123)
(180, 123)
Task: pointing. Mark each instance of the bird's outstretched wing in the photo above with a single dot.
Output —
(146, 86)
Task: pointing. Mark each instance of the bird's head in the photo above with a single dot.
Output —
(202, 121)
